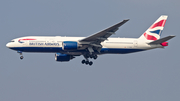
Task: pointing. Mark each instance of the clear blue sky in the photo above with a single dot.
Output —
(145, 76)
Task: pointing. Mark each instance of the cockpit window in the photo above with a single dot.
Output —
(12, 41)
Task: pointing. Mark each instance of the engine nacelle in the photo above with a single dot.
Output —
(69, 45)
(63, 57)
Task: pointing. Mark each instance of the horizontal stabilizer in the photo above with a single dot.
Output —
(162, 40)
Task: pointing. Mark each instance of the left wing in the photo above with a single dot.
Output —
(104, 34)
(93, 42)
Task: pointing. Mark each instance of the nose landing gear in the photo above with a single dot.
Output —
(21, 57)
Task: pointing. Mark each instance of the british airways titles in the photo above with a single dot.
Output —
(43, 44)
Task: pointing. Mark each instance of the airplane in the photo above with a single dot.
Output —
(67, 48)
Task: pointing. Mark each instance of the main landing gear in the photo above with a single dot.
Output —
(21, 57)
(86, 61)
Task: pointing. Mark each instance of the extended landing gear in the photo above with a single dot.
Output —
(21, 57)
(86, 61)
(93, 56)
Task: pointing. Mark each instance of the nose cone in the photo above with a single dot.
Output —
(7, 45)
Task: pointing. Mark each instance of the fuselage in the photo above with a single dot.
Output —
(53, 44)
(67, 48)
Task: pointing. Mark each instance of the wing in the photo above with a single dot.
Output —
(104, 34)
(93, 43)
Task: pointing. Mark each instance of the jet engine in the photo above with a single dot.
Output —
(63, 57)
(69, 45)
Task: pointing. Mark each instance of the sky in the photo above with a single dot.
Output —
(144, 76)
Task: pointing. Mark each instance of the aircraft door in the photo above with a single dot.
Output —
(135, 43)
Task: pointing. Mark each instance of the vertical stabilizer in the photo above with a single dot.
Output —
(154, 32)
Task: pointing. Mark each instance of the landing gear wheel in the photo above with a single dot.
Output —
(90, 63)
(21, 57)
(87, 62)
(95, 57)
(83, 61)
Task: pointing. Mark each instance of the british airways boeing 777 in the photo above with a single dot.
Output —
(67, 48)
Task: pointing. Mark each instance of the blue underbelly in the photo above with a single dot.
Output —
(59, 49)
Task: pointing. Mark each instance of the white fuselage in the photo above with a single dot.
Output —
(54, 44)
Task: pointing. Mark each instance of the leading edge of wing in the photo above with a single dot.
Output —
(104, 32)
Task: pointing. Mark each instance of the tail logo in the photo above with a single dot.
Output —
(156, 32)
(149, 37)
(158, 24)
